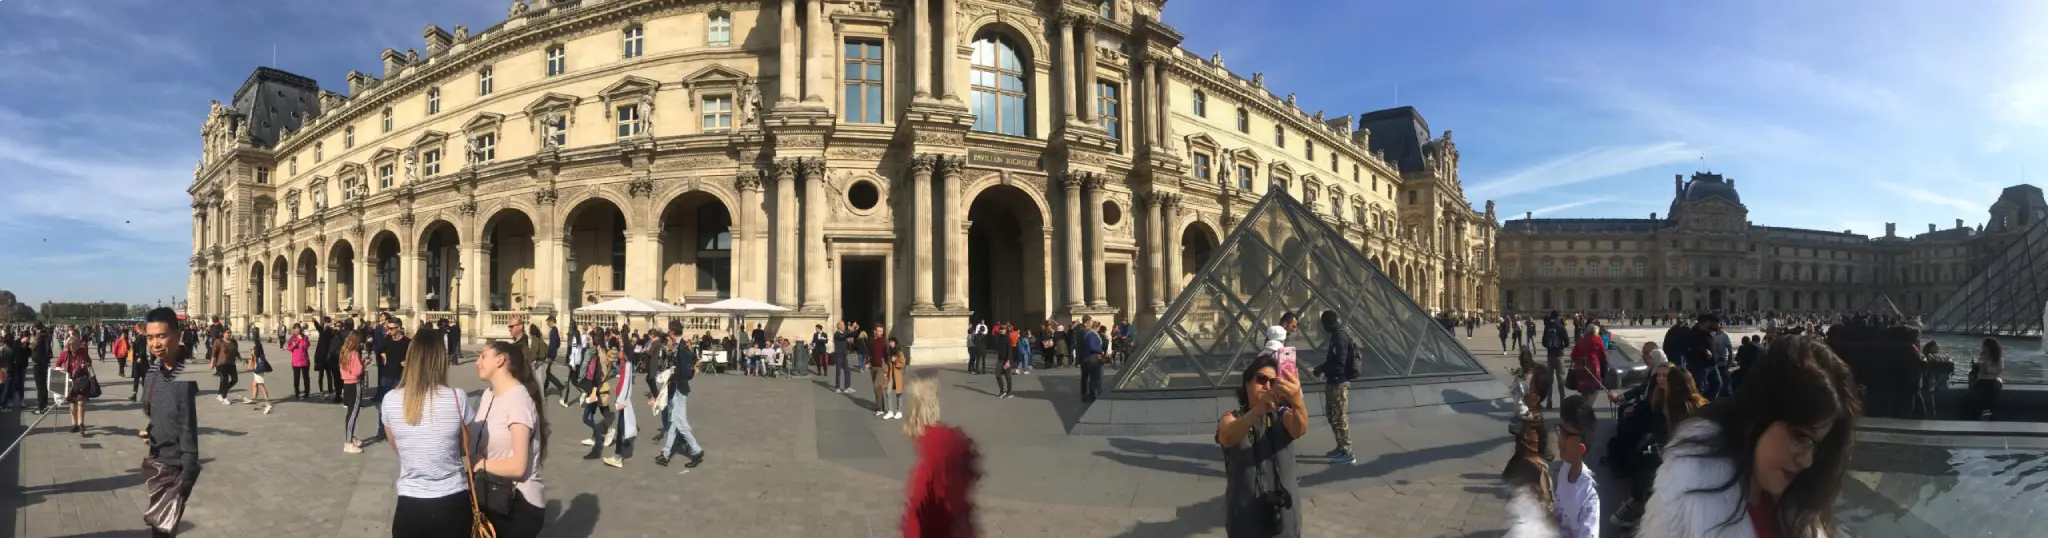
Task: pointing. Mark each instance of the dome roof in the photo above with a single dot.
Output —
(1705, 185)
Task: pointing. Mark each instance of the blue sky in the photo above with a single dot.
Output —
(1829, 114)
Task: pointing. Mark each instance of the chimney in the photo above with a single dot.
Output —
(438, 40)
(1653, 215)
(1930, 227)
(393, 63)
(357, 82)
(1891, 229)
(1528, 215)
(1731, 183)
(1959, 223)
(1677, 184)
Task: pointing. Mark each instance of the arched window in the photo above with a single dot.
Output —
(1201, 103)
(1000, 91)
(714, 249)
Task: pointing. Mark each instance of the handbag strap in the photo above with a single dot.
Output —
(482, 524)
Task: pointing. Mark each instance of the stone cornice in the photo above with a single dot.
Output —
(1257, 99)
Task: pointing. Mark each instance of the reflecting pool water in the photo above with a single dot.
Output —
(2026, 361)
(1896, 490)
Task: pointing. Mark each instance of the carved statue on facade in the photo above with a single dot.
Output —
(1290, 100)
(461, 32)
(1259, 79)
(518, 8)
(412, 165)
(412, 56)
(551, 124)
(645, 109)
(469, 151)
(1216, 58)
(750, 93)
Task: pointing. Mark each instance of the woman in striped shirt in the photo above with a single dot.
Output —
(424, 423)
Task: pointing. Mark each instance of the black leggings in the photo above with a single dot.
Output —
(351, 396)
(228, 377)
(438, 517)
(525, 521)
(302, 384)
(1003, 381)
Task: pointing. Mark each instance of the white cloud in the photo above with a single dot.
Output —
(1546, 210)
(1583, 166)
(1930, 197)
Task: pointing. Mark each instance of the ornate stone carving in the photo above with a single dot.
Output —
(1085, 157)
(406, 218)
(942, 139)
(461, 33)
(950, 167)
(857, 153)
(747, 180)
(799, 141)
(922, 164)
(468, 208)
(1094, 182)
(518, 8)
(546, 196)
(1171, 202)
(640, 187)
(813, 169)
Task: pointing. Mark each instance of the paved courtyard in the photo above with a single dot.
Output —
(786, 458)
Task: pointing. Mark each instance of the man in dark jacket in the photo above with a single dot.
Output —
(1555, 340)
(678, 413)
(41, 356)
(1090, 352)
(172, 431)
(1339, 367)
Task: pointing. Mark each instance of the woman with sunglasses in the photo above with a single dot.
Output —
(1768, 461)
(1258, 452)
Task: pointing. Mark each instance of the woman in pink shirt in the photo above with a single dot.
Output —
(302, 386)
(351, 395)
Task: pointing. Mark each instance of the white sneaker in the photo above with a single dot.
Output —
(589, 442)
(611, 438)
(894, 415)
(223, 400)
(266, 409)
(881, 414)
(246, 400)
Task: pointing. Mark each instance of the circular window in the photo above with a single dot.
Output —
(863, 195)
(1111, 214)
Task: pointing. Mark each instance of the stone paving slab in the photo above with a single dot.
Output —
(787, 458)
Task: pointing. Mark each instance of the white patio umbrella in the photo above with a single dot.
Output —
(631, 305)
(739, 308)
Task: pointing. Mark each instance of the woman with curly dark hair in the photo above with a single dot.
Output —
(1766, 462)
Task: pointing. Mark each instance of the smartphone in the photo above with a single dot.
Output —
(1288, 363)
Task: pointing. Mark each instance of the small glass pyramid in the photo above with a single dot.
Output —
(1282, 258)
(2006, 297)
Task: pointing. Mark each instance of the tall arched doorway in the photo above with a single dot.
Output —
(1197, 244)
(1714, 299)
(696, 249)
(280, 272)
(597, 252)
(308, 294)
(384, 254)
(1005, 257)
(443, 247)
(256, 303)
(508, 261)
(1675, 300)
(341, 286)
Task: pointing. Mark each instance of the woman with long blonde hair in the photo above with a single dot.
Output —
(939, 496)
(424, 424)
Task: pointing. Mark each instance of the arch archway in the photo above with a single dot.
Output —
(384, 254)
(696, 249)
(596, 229)
(508, 271)
(308, 269)
(1714, 299)
(1593, 299)
(341, 271)
(1546, 298)
(1004, 276)
(1675, 300)
(1752, 302)
(1571, 299)
(1198, 243)
(280, 273)
(255, 290)
(443, 247)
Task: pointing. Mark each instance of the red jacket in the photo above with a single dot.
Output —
(1590, 358)
(940, 501)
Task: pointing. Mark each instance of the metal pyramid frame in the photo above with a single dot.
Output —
(2006, 297)
(1282, 258)
(1880, 303)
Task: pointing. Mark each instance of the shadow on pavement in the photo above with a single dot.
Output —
(579, 519)
(1187, 520)
(1199, 459)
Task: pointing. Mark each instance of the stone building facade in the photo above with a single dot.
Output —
(1706, 254)
(917, 163)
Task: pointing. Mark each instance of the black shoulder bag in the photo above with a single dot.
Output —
(495, 494)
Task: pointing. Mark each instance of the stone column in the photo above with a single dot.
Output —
(1091, 202)
(411, 283)
(1155, 245)
(950, 224)
(1071, 214)
(817, 279)
(744, 248)
(786, 82)
(324, 287)
(1066, 64)
(1169, 212)
(818, 60)
(921, 230)
(949, 57)
(785, 233)
(643, 255)
(364, 288)
(556, 277)
(476, 278)
(921, 64)
(294, 291)
(1086, 48)
(1163, 104)
(1138, 99)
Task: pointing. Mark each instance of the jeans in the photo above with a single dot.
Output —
(384, 386)
(1091, 377)
(974, 355)
(598, 417)
(679, 427)
(880, 375)
(16, 389)
(1708, 376)
(1003, 381)
(1555, 377)
(842, 378)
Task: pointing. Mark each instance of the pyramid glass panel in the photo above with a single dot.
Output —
(1283, 258)
(2007, 297)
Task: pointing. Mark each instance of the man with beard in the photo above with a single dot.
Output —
(172, 433)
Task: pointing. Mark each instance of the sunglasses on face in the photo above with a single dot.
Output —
(1262, 379)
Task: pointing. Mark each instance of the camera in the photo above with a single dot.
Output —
(1273, 506)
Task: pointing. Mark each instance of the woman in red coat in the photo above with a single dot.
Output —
(939, 496)
(1589, 363)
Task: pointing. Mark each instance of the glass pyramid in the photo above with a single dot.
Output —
(1282, 258)
(2007, 297)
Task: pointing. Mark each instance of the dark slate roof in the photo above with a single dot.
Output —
(1809, 231)
(1706, 185)
(273, 101)
(1951, 234)
(1401, 133)
(1582, 225)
